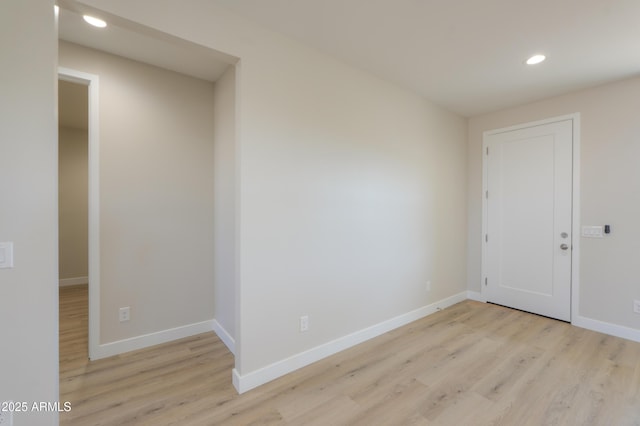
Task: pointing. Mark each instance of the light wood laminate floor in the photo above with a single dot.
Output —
(470, 364)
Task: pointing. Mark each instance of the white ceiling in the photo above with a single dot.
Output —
(143, 44)
(467, 55)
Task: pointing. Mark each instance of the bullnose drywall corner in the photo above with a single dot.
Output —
(225, 202)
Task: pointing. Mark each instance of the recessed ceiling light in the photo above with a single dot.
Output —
(535, 59)
(94, 21)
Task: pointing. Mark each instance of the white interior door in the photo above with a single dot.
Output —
(528, 218)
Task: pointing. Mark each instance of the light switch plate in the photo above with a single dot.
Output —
(593, 231)
(6, 417)
(6, 255)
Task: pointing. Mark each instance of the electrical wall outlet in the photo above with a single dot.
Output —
(6, 417)
(125, 314)
(304, 323)
(636, 306)
(428, 286)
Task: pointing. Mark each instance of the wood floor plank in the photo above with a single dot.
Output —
(400, 405)
(470, 364)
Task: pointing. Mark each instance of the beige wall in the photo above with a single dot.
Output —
(351, 194)
(29, 207)
(73, 202)
(352, 191)
(156, 194)
(609, 187)
(224, 266)
(352, 198)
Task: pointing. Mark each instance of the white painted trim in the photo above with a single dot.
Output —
(575, 243)
(92, 81)
(236, 380)
(237, 146)
(151, 339)
(606, 328)
(475, 295)
(246, 382)
(575, 252)
(224, 335)
(573, 116)
(65, 282)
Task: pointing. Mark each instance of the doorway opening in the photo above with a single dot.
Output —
(78, 200)
(73, 204)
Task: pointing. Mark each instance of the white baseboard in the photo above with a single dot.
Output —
(607, 328)
(244, 383)
(235, 379)
(475, 295)
(64, 282)
(146, 340)
(224, 335)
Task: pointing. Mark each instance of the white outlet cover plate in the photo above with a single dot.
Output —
(124, 314)
(6, 255)
(304, 323)
(593, 231)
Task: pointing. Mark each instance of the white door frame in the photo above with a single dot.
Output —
(91, 81)
(575, 214)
